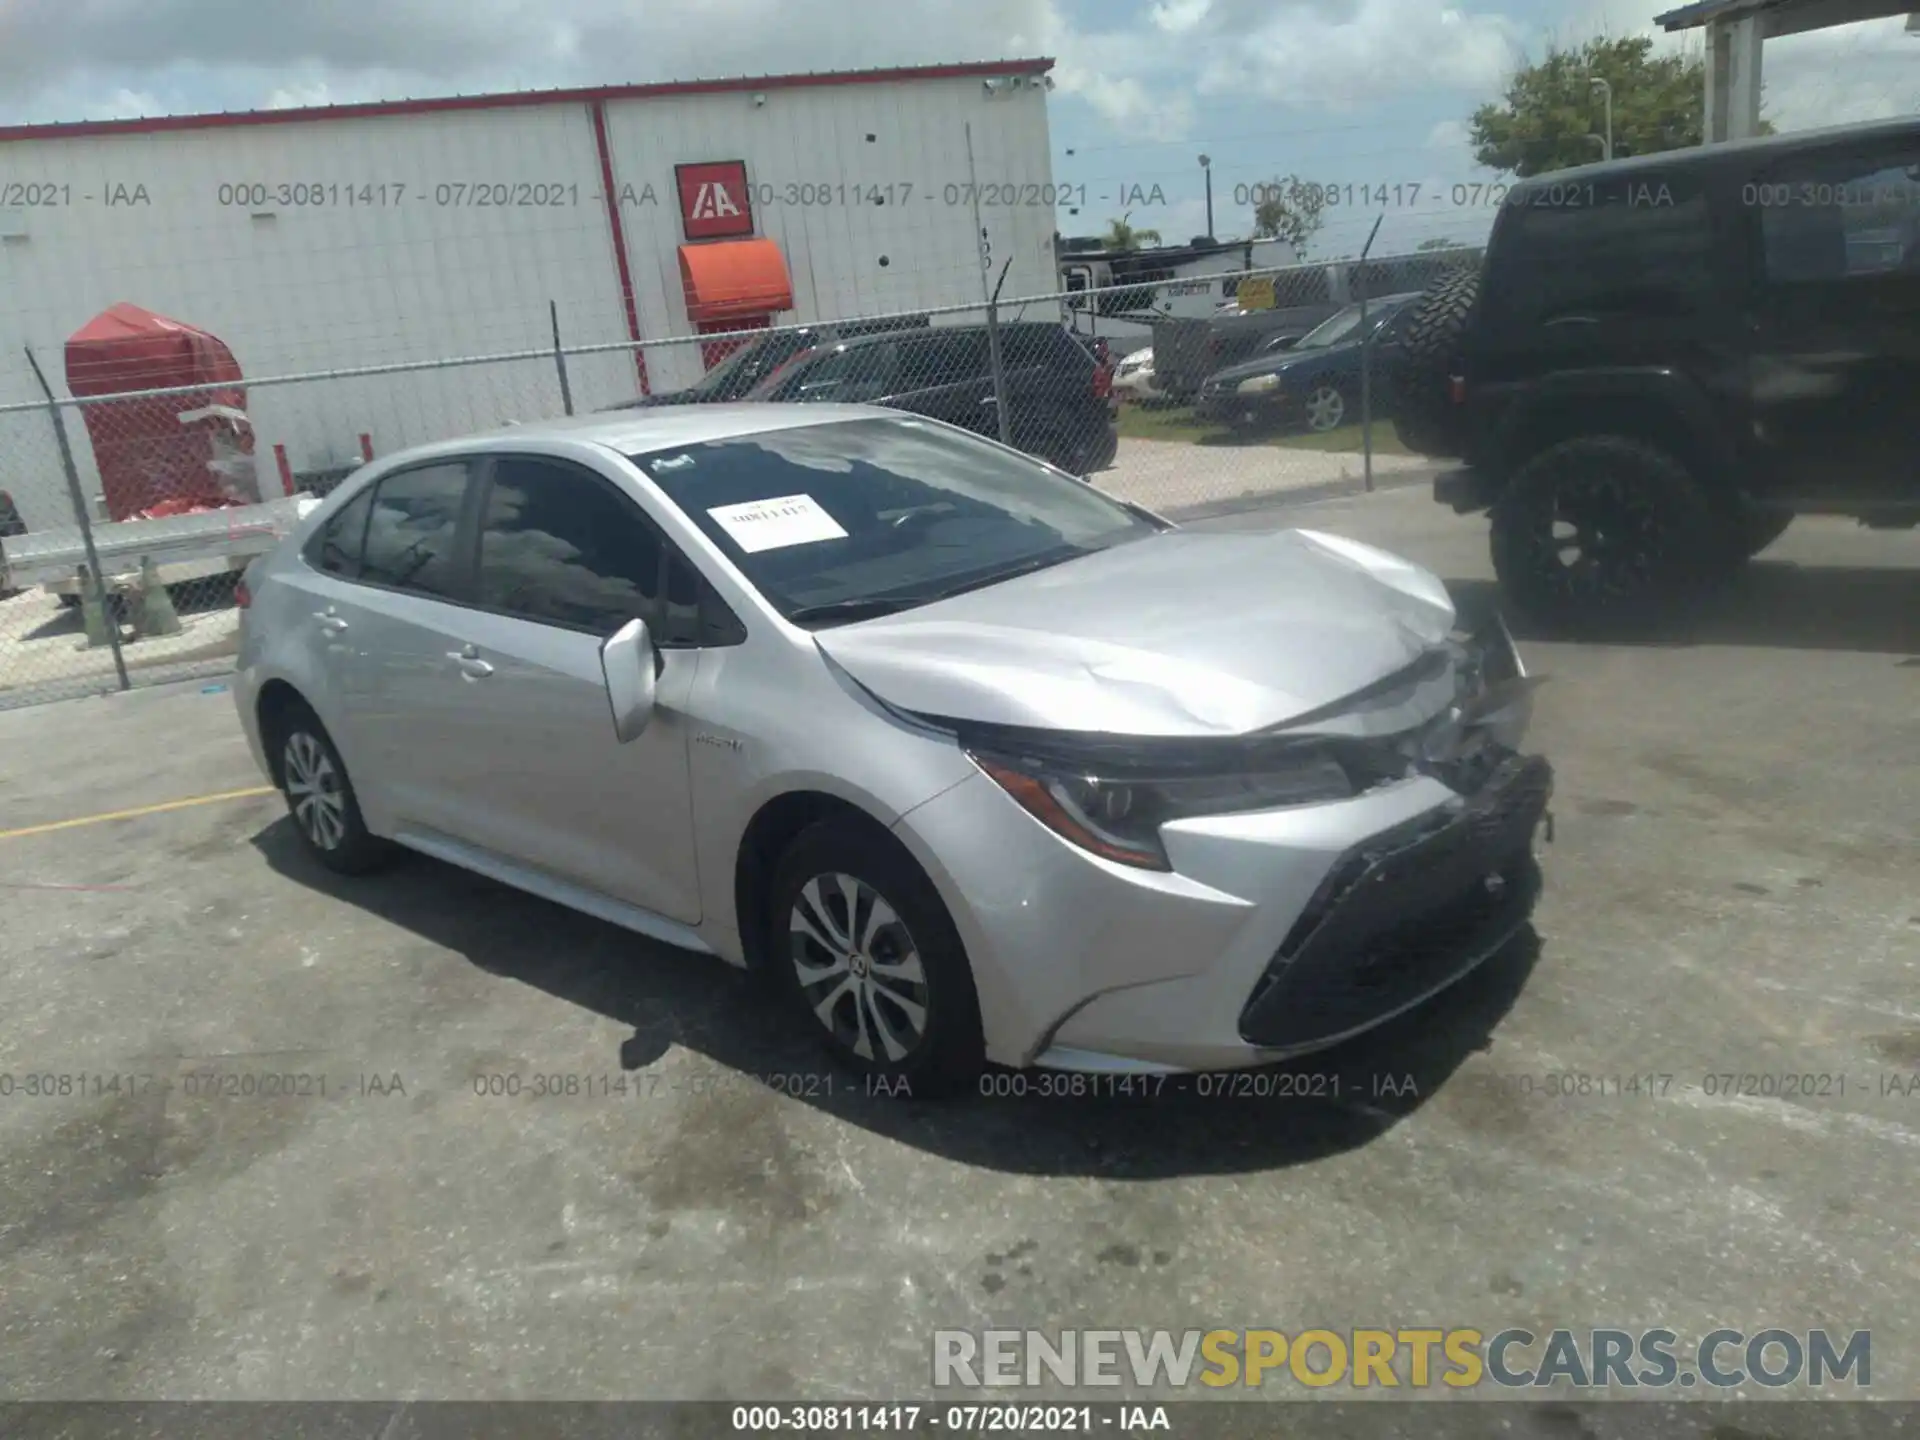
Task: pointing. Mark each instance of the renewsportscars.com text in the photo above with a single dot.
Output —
(1414, 1358)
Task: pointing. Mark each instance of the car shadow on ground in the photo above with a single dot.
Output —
(1772, 603)
(1260, 1120)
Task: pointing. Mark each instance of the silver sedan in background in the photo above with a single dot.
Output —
(975, 762)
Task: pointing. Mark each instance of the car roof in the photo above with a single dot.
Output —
(633, 432)
(879, 337)
(1696, 157)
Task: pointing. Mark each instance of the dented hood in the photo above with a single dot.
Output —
(1186, 633)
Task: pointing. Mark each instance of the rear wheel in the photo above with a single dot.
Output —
(868, 957)
(1602, 529)
(320, 798)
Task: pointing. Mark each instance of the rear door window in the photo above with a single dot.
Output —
(946, 358)
(335, 548)
(1634, 244)
(413, 531)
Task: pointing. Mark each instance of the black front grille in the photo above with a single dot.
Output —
(1405, 914)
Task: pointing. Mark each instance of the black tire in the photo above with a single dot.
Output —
(945, 1052)
(69, 602)
(1602, 530)
(1425, 417)
(320, 797)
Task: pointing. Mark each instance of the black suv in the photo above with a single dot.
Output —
(1059, 394)
(1662, 361)
(759, 357)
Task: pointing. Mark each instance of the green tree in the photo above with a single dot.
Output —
(1552, 110)
(1289, 209)
(1122, 236)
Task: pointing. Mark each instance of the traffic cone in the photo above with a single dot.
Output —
(93, 614)
(156, 615)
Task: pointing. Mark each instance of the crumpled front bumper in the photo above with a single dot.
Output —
(1405, 914)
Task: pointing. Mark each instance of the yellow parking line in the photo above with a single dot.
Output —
(138, 811)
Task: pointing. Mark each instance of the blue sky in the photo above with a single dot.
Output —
(1351, 94)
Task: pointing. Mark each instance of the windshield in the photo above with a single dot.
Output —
(1345, 324)
(855, 518)
(734, 376)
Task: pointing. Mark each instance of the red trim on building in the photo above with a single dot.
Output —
(366, 447)
(597, 95)
(618, 231)
(286, 469)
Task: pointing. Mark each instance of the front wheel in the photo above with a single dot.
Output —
(866, 953)
(1325, 407)
(1602, 529)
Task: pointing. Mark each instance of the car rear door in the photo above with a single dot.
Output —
(390, 632)
(946, 374)
(565, 557)
(1834, 368)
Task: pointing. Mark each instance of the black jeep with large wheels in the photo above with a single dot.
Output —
(1663, 360)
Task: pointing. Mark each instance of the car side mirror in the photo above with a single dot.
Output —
(627, 660)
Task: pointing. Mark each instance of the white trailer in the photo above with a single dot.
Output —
(1130, 289)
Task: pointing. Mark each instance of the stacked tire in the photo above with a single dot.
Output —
(1425, 417)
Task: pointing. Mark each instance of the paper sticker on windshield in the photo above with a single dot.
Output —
(774, 524)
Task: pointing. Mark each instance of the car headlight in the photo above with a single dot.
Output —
(1258, 385)
(1119, 818)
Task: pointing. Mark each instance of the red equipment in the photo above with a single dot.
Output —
(164, 454)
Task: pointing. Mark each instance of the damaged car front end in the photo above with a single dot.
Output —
(1228, 900)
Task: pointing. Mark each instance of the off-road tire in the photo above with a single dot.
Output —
(1424, 415)
(945, 1057)
(1643, 535)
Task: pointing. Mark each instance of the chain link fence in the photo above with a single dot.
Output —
(127, 514)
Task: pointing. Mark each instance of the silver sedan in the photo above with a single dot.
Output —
(976, 762)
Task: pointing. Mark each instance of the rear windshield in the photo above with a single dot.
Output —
(878, 514)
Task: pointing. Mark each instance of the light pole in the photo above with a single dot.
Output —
(1606, 95)
(1206, 166)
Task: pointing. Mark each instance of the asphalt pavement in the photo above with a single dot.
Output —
(328, 1171)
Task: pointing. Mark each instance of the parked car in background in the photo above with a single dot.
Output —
(1283, 307)
(970, 761)
(1133, 379)
(1059, 390)
(10, 521)
(1664, 360)
(758, 358)
(1313, 383)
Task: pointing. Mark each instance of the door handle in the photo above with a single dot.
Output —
(472, 667)
(330, 621)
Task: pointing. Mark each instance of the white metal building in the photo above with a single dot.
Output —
(365, 234)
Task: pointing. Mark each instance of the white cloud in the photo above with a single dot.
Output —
(1449, 135)
(1176, 17)
(1139, 72)
(1339, 58)
(1869, 71)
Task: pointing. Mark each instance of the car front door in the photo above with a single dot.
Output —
(564, 559)
(1834, 371)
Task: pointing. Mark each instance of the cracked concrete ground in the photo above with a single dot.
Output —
(1732, 891)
